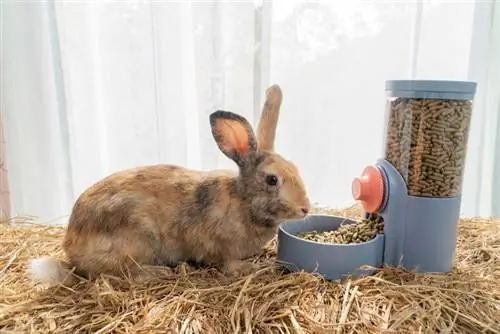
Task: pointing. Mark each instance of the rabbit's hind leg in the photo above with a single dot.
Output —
(121, 255)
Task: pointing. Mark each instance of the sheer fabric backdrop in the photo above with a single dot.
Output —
(91, 87)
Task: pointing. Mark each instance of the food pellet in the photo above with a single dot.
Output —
(356, 233)
(426, 142)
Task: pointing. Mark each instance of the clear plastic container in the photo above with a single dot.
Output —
(426, 134)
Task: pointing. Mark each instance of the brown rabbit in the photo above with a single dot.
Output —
(164, 214)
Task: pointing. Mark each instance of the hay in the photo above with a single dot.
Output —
(270, 301)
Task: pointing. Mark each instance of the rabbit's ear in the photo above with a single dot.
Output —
(266, 131)
(234, 136)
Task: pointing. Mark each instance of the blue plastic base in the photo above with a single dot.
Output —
(332, 261)
(431, 233)
(420, 233)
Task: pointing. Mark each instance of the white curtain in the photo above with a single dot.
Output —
(91, 87)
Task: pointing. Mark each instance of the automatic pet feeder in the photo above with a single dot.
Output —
(416, 188)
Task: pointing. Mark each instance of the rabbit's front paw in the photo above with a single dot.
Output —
(240, 268)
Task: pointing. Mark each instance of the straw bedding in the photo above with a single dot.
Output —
(189, 300)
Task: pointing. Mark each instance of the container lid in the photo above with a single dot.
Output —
(443, 89)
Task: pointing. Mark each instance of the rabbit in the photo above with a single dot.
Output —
(165, 214)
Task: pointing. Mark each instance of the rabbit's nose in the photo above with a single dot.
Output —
(304, 210)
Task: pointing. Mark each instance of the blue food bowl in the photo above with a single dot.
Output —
(332, 261)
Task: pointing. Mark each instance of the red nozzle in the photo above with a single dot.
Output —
(369, 189)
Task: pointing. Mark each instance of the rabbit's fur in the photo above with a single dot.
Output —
(164, 214)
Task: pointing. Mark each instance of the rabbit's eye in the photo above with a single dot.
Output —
(271, 180)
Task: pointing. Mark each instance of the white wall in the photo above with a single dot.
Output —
(93, 87)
